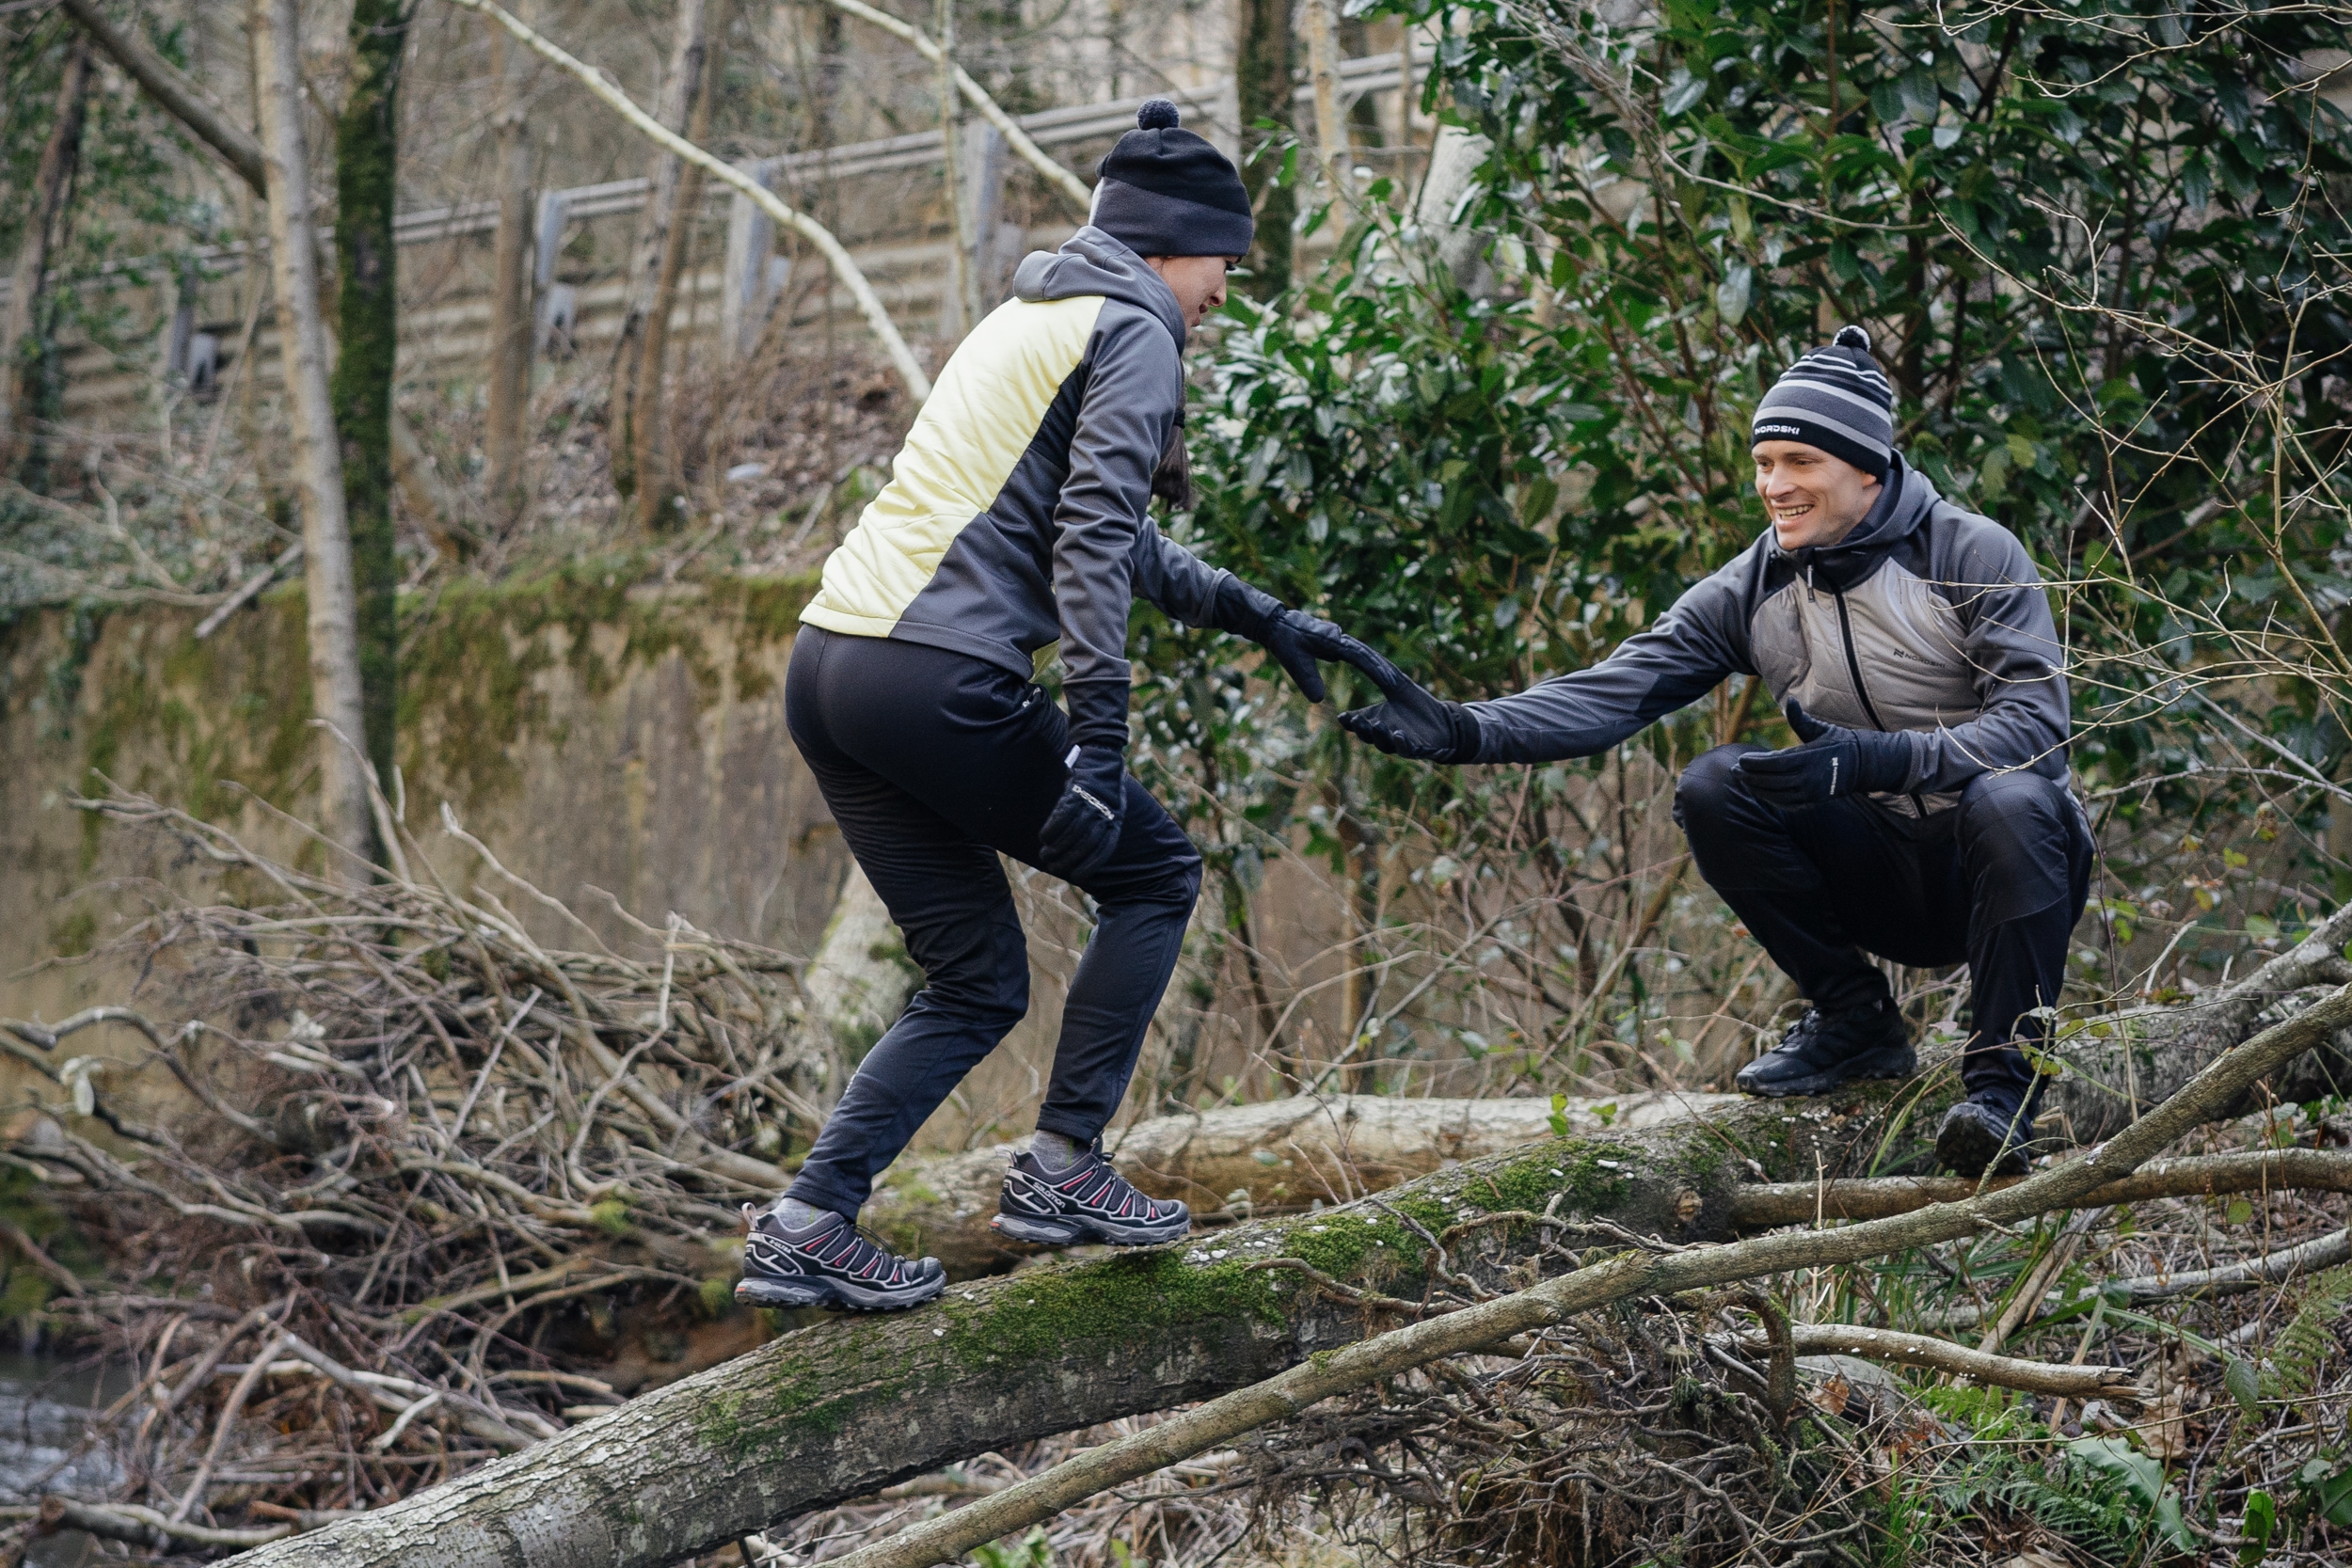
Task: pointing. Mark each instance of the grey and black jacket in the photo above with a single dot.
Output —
(1016, 515)
(1926, 620)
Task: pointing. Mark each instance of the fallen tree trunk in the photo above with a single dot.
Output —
(2119, 1065)
(1236, 1161)
(1623, 1277)
(843, 1409)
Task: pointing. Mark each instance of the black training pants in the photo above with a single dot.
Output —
(934, 762)
(1998, 881)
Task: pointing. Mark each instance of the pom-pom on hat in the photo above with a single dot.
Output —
(1837, 399)
(1165, 191)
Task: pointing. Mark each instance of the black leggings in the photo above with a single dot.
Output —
(1998, 882)
(932, 763)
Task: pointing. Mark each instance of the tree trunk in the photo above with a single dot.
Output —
(855, 1404)
(2119, 1066)
(336, 688)
(1282, 1154)
(632, 400)
(510, 287)
(1263, 84)
(367, 148)
(53, 179)
(839, 1410)
(658, 496)
(1322, 75)
(179, 96)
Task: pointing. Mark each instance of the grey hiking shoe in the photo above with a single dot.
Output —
(830, 1264)
(1089, 1202)
(1823, 1051)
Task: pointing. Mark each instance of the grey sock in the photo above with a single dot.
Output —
(1056, 1151)
(798, 1215)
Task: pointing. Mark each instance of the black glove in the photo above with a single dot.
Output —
(1295, 640)
(1411, 723)
(1832, 761)
(1082, 827)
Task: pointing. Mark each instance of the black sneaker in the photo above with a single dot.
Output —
(1824, 1050)
(1089, 1202)
(829, 1264)
(1985, 1137)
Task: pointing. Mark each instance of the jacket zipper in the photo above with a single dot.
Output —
(1853, 668)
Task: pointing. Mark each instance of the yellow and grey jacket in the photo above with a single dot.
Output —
(1016, 515)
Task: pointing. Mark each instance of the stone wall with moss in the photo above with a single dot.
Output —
(603, 737)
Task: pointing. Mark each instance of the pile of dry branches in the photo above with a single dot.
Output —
(440, 1157)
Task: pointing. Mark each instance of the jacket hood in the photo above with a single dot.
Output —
(1906, 496)
(1092, 263)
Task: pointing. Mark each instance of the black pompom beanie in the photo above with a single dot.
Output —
(1165, 191)
(1837, 399)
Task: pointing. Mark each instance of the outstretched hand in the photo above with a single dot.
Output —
(1829, 761)
(1296, 640)
(1411, 722)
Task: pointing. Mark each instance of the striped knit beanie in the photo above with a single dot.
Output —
(1837, 399)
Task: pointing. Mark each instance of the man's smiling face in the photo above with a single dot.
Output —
(1813, 499)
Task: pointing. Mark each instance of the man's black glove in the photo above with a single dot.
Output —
(1082, 827)
(1296, 639)
(1831, 761)
(1411, 722)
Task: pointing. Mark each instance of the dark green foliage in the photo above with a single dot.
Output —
(367, 144)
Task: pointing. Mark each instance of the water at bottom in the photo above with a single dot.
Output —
(43, 1408)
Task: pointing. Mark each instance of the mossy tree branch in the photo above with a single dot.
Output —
(840, 1410)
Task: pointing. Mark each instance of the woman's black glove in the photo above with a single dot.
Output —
(1082, 830)
(1831, 761)
(1411, 722)
(1296, 639)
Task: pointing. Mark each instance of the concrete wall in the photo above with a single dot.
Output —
(595, 736)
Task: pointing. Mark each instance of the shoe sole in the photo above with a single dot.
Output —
(1862, 1071)
(833, 1294)
(1071, 1232)
(1971, 1150)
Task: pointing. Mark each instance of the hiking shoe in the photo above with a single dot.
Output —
(1824, 1050)
(1089, 1202)
(830, 1264)
(1985, 1137)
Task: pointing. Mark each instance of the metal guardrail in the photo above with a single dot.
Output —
(1047, 127)
(751, 279)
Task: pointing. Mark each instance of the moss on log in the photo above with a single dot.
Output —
(852, 1404)
(1240, 1160)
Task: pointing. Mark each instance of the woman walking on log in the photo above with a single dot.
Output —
(1017, 517)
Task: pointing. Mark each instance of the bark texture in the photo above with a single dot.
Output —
(841, 1409)
(2116, 1068)
(1263, 84)
(856, 1403)
(635, 397)
(1284, 1154)
(367, 153)
(336, 684)
(53, 179)
(510, 287)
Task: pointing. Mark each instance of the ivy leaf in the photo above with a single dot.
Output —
(1732, 294)
(2244, 1385)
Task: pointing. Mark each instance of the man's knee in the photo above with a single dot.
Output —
(2014, 819)
(1708, 791)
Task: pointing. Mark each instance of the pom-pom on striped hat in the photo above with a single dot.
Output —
(1837, 399)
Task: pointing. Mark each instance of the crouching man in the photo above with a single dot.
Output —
(1924, 817)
